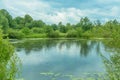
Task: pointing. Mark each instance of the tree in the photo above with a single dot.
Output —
(37, 23)
(4, 23)
(20, 22)
(54, 26)
(85, 23)
(54, 34)
(72, 33)
(97, 23)
(26, 30)
(28, 18)
(15, 34)
(6, 14)
(48, 29)
(62, 28)
(79, 32)
(68, 27)
(38, 30)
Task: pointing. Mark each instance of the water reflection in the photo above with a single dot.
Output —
(64, 57)
(84, 46)
(69, 59)
(113, 62)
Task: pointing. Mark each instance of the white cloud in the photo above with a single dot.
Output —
(42, 10)
(115, 11)
(65, 15)
(39, 9)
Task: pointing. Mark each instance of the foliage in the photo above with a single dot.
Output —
(8, 60)
(54, 34)
(112, 63)
(72, 33)
(14, 34)
(85, 28)
(87, 34)
(36, 35)
(38, 30)
(79, 32)
(25, 30)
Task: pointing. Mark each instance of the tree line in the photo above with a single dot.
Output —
(26, 27)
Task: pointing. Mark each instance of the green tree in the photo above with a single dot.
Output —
(54, 34)
(68, 27)
(8, 60)
(28, 18)
(54, 26)
(38, 30)
(79, 32)
(15, 34)
(72, 33)
(97, 23)
(5, 18)
(62, 28)
(26, 31)
(48, 29)
(4, 23)
(85, 23)
(37, 23)
(20, 22)
(7, 15)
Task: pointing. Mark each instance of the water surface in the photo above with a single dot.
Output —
(52, 59)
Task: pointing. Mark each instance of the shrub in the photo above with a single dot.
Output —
(14, 34)
(72, 33)
(8, 60)
(87, 34)
(79, 32)
(36, 36)
(26, 31)
(38, 30)
(54, 34)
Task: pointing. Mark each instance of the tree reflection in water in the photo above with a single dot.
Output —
(85, 46)
(112, 63)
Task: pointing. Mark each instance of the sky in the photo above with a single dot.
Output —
(55, 11)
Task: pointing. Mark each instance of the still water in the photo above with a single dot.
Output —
(53, 59)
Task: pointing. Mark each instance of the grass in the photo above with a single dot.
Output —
(36, 36)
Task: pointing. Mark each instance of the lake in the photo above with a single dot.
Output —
(55, 59)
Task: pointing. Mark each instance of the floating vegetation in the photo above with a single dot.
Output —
(84, 76)
(20, 79)
(47, 73)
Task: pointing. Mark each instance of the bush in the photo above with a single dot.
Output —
(26, 31)
(79, 32)
(87, 35)
(8, 60)
(54, 34)
(36, 36)
(72, 33)
(14, 34)
(38, 30)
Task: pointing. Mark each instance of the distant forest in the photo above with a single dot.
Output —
(26, 27)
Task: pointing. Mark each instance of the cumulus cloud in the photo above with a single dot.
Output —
(44, 10)
(65, 15)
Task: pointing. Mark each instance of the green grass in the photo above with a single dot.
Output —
(36, 36)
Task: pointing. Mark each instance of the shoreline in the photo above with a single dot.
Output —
(24, 39)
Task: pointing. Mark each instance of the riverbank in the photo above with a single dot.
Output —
(25, 39)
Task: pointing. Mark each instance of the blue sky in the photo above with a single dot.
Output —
(54, 11)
